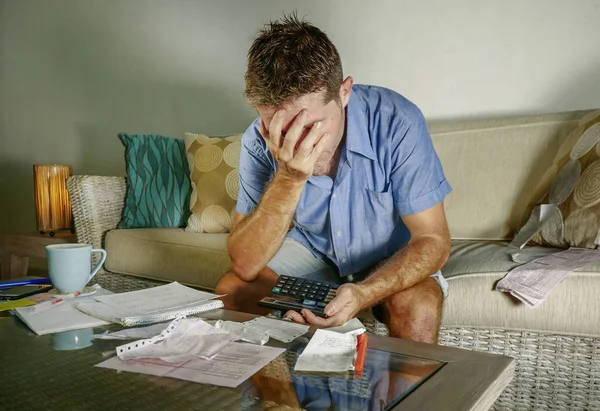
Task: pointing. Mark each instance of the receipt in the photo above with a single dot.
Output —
(283, 331)
(243, 332)
(328, 351)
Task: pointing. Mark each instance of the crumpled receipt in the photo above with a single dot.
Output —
(243, 332)
(183, 340)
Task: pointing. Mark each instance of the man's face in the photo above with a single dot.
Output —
(331, 115)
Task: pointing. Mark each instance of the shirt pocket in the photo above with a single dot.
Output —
(378, 210)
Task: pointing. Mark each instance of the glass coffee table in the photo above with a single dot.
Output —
(50, 372)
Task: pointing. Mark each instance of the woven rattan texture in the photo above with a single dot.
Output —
(553, 372)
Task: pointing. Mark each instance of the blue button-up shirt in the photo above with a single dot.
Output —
(388, 169)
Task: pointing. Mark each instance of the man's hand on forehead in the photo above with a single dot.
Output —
(297, 149)
(288, 121)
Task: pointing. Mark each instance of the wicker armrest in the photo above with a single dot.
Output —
(97, 203)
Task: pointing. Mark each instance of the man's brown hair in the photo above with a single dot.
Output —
(290, 58)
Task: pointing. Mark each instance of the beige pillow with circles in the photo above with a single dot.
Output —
(214, 173)
(570, 190)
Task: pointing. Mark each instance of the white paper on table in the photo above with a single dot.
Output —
(184, 339)
(233, 365)
(134, 333)
(328, 351)
(284, 331)
(155, 299)
(65, 317)
(354, 326)
(532, 282)
(243, 332)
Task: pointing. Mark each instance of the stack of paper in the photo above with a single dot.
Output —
(531, 283)
(152, 305)
(64, 317)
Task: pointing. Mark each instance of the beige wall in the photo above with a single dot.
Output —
(74, 73)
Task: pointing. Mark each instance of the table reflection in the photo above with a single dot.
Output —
(387, 378)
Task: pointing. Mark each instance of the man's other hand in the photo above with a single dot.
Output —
(344, 307)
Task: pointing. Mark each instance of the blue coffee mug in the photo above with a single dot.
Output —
(69, 265)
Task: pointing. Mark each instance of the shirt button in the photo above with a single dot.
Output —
(333, 196)
(344, 260)
(339, 233)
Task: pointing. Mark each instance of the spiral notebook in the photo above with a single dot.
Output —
(152, 305)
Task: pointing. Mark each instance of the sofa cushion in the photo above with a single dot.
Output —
(168, 254)
(572, 187)
(214, 171)
(493, 165)
(158, 183)
(475, 267)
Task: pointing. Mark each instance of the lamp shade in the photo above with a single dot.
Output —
(52, 203)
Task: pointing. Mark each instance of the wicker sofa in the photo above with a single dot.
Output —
(493, 166)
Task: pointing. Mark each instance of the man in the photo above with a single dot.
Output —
(354, 170)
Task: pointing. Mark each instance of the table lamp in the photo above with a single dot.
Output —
(52, 203)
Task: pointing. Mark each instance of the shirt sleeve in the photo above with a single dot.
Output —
(257, 167)
(417, 177)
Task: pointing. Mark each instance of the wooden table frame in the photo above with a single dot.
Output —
(16, 249)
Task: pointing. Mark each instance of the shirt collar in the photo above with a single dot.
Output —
(357, 130)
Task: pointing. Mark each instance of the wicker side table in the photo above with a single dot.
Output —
(15, 250)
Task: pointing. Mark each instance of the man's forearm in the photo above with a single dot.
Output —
(258, 237)
(418, 260)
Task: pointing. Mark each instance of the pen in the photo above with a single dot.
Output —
(15, 283)
(361, 347)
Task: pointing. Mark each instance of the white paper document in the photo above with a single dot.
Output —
(64, 317)
(532, 282)
(233, 365)
(284, 331)
(182, 340)
(151, 300)
(328, 351)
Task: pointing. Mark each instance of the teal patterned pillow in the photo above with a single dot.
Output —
(158, 182)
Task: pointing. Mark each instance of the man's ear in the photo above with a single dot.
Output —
(263, 129)
(346, 90)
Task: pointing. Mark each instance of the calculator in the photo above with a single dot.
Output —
(292, 293)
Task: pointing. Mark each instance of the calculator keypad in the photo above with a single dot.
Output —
(308, 292)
